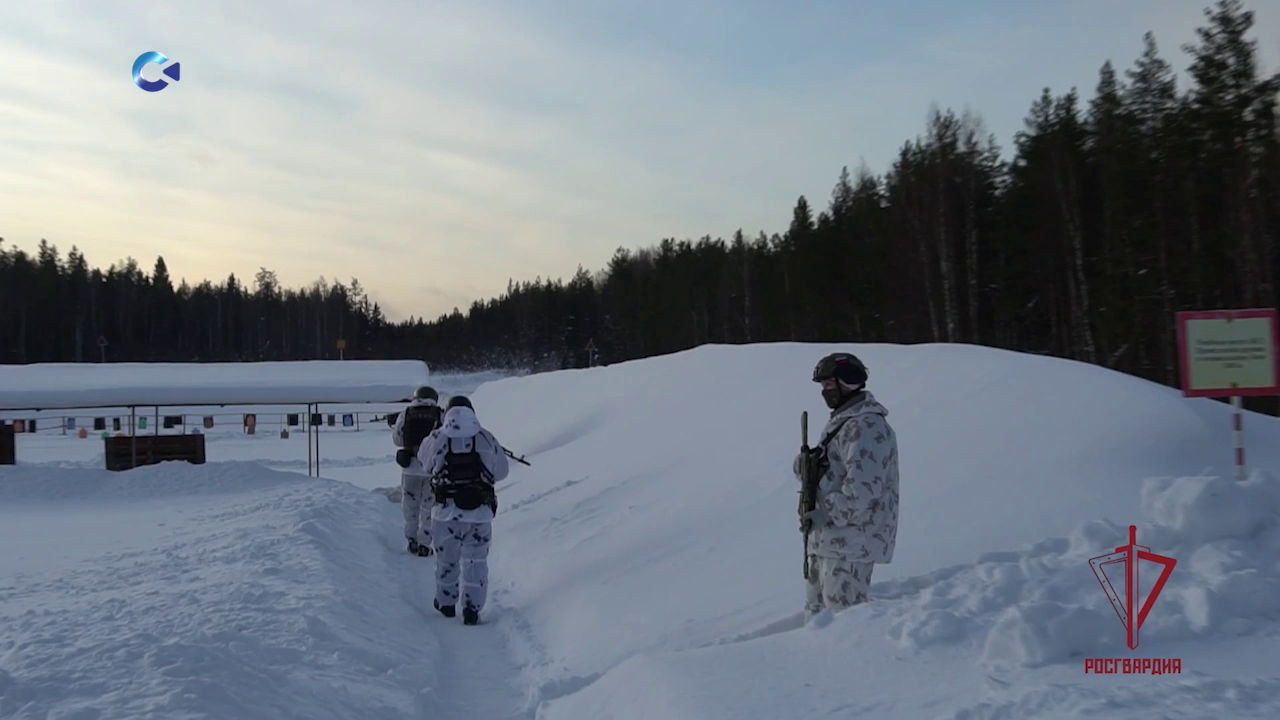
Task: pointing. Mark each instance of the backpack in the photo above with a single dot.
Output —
(464, 479)
(419, 422)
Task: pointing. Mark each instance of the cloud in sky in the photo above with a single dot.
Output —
(435, 149)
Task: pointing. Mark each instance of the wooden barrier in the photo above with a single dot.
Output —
(152, 449)
(8, 446)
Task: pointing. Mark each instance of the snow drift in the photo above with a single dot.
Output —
(657, 525)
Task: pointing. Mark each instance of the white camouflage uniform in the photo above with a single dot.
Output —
(857, 504)
(415, 495)
(462, 537)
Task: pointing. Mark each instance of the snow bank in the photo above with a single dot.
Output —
(86, 385)
(954, 637)
(27, 484)
(1038, 606)
(653, 554)
(267, 596)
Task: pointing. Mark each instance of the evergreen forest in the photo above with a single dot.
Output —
(1106, 215)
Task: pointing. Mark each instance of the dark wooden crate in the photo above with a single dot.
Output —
(152, 449)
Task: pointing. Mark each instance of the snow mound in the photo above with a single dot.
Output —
(393, 494)
(27, 483)
(1041, 443)
(652, 547)
(1043, 605)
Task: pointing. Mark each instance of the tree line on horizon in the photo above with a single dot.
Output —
(1109, 217)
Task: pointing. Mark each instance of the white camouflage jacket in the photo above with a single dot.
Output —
(460, 423)
(858, 494)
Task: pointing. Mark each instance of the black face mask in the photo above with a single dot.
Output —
(833, 396)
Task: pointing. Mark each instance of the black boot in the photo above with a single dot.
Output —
(414, 549)
(424, 550)
(470, 616)
(445, 610)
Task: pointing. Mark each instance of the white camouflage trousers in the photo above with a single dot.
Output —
(415, 502)
(462, 549)
(836, 584)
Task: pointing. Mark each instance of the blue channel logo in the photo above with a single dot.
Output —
(146, 58)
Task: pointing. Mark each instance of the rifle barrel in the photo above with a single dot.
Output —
(512, 455)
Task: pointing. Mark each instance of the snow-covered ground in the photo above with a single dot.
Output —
(648, 564)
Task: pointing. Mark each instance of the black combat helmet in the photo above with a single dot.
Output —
(845, 367)
(459, 401)
(426, 393)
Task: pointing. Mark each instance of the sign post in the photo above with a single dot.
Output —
(591, 353)
(102, 348)
(1230, 353)
(342, 349)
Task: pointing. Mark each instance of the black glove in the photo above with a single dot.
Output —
(818, 460)
(402, 458)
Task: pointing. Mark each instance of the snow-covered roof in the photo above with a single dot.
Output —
(49, 386)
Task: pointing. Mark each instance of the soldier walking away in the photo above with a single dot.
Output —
(419, 420)
(853, 481)
(464, 461)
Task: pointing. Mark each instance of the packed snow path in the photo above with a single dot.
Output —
(228, 590)
(475, 675)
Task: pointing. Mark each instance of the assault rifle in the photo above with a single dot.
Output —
(520, 459)
(808, 487)
(812, 467)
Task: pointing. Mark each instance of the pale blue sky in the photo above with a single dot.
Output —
(436, 149)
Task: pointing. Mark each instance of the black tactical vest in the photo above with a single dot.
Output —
(465, 480)
(463, 468)
(419, 421)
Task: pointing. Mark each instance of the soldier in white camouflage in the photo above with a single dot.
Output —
(464, 461)
(855, 522)
(409, 430)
